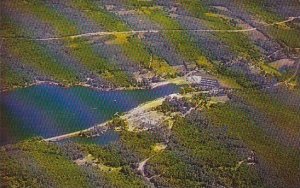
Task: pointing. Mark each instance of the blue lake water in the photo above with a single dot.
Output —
(48, 110)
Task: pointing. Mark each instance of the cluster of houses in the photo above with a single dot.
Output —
(176, 104)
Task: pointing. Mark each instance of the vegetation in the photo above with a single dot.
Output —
(239, 78)
(114, 169)
(49, 166)
(34, 163)
(86, 55)
(181, 40)
(107, 20)
(243, 47)
(287, 35)
(37, 57)
(220, 161)
(249, 139)
(173, 171)
(10, 78)
(162, 68)
(281, 114)
(131, 46)
(140, 143)
(284, 33)
(241, 124)
(78, 48)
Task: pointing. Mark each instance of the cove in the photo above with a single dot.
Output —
(48, 110)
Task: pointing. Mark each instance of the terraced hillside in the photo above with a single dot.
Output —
(233, 123)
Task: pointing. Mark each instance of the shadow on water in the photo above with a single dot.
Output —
(48, 110)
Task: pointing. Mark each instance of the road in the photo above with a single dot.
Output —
(102, 33)
(141, 167)
(73, 134)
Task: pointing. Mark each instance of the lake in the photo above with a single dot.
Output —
(48, 110)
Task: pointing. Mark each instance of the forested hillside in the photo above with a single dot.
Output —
(234, 122)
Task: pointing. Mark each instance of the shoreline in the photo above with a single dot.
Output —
(142, 107)
(73, 85)
(74, 134)
(102, 125)
(146, 106)
(176, 81)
